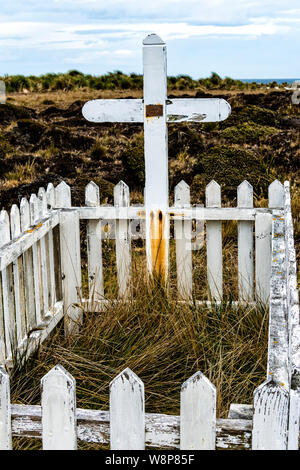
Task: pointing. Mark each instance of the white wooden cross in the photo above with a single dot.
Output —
(155, 110)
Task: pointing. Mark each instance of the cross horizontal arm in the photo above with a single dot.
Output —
(178, 110)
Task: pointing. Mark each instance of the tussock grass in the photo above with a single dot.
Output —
(164, 342)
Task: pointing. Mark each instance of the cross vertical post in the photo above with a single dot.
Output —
(156, 155)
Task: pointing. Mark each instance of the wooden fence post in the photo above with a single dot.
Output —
(127, 412)
(123, 242)
(70, 259)
(214, 244)
(198, 414)
(245, 244)
(183, 234)
(7, 290)
(270, 418)
(263, 239)
(59, 424)
(94, 247)
(28, 269)
(18, 275)
(5, 411)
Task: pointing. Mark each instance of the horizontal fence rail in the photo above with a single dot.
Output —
(127, 427)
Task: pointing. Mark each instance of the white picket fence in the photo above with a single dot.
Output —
(40, 265)
(127, 427)
(40, 257)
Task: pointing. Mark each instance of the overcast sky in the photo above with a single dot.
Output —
(237, 38)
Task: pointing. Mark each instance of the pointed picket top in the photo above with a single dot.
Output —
(34, 205)
(245, 195)
(182, 194)
(24, 214)
(63, 195)
(50, 196)
(15, 221)
(4, 228)
(129, 376)
(43, 201)
(127, 412)
(121, 195)
(5, 411)
(198, 414)
(59, 371)
(58, 402)
(92, 197)
(270, 417)
(276, 195)
(153, 40)
(213, 194)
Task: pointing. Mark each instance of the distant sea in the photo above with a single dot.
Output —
(268, 80)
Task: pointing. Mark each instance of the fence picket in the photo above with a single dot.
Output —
(263, 239)
(42, 199)
(28, 269)
(276, 195)
(58, 402)
(7, 289)
(270, 417)
(94, 246)
(127, 412)
(278, 342)
(5, 411)
(198, 414)
(245, 244)
(214, 244)
(123, 242)
(50, 201)
(183, 233)
(36, 256)
(70, 259)
(20, 310)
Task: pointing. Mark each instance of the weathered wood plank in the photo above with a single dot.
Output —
(161, 430)
(58, 410)
(18, 277)
(36, 256)
(214, 244)
(198, 414)
(28, 238)
(245, 244)
(278, 344)
(178, 110)
(127, 412)
(7, 290)
(50, 200)
(174, 213)
(276, 195)
(70, 259)
(183, 234)
(123, 242)
(270, 417)
(28, 268)
(5, 411)
(263, 241)
(156, 157)
(94, 246)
